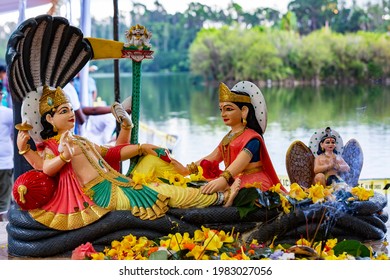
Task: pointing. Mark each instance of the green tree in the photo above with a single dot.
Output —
(313, 14)
(289, 22)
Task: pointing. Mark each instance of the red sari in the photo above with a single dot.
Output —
(263, 175)
(70, 207)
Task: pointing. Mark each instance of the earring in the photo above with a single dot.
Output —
(322, 149)
(244, 121)
(54, 128)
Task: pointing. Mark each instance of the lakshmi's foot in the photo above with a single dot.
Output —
(232, 192)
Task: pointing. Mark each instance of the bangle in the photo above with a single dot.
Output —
(25, 150)
(64, 159)
(127, 126)
(140, 151)
(228, 176)
(220, 199)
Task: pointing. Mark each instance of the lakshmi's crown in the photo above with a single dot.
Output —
(225, 95)
(51, 99)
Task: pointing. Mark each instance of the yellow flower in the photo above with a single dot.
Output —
(176, 242)
(213, 243)
(275, 188)
(331, 243)
(140, 245)
(177, 180)
(272, 245)
(243, 255)
(297, 192)
(381, 256)
(97, 256)
(199, 176)
(285, 204)
(115, 244)
(130, 239)
(362, 193)
(167, 174)
(140, 178)
(302, 241)
(328, 192)
(316, 193)
(225, 257)
(343, 256)
(197, 252)
(112, 253)
(199, 235)
(280, 247)
(225, 238)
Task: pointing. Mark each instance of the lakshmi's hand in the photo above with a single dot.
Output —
(22, 139)
(216, 185)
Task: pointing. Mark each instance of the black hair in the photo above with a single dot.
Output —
(251, 119)
(48, 129)
(328, 134)
(322, 141)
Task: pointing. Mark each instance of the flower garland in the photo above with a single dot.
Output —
(208, 244)
(315, 194)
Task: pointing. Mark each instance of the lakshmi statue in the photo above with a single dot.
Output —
(242, 150)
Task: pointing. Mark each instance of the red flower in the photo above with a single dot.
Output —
(210, 169)
(83, 252)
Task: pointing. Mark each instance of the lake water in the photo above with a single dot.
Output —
(179, 105)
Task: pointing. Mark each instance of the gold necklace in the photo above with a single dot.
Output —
(331, 156)
(231, 136)
(57, 138)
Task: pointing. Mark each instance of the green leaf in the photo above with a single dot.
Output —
(352, 247)
(245, 197)
(164, 180)
(159, 255)
(243, 211)
(196, 184)
(245, 201)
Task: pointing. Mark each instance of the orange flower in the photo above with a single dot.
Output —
(152, 250)
(189, 246)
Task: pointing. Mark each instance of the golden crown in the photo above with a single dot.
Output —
(225, 95)
(51, 99)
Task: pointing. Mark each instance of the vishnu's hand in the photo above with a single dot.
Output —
(66, 145)
(22, 139)
(180, 168)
